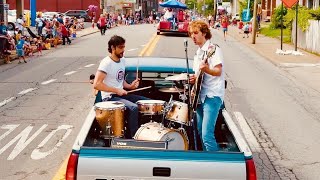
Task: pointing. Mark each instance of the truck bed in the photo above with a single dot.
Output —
(94, 158)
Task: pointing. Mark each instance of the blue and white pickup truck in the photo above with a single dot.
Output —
(95, 157)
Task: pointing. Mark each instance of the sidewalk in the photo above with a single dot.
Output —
(267, 47)
(81, 33)
(305, 68)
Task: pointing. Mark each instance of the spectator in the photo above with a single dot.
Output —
(39, 46)
(60, 19)
(20, 49)
(39, 24)
(20, 24)
(246, 30)
(224, 24)
(102, 24)
(240, 26)
(65, 35)
(3, 29)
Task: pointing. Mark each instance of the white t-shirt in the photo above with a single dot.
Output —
(20, 23)
(211, 85)
(39, 21)
(115, 74)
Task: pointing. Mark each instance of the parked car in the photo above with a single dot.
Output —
(49, 15)
(79, 14)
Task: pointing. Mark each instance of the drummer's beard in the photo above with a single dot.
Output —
(120, 55)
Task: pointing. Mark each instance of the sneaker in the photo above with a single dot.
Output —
(25, 61)
(19, 62)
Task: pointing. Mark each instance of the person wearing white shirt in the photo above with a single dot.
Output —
(20, 24)
(213, 84)
(39, 22)
(110, 80)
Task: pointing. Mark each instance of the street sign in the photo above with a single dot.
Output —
(6, 6)
(289, 3)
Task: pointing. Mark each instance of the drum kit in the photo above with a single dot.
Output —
(110, 118)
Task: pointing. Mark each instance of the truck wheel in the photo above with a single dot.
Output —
(158, 33)
(11, 26)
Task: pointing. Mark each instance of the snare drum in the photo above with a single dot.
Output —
(155, 132)
(178, 113)
(150, 107)
(110, 117)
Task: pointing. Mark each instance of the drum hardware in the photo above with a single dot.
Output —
(170, 90)
(191, 113)
(178, 77)
(184, 132)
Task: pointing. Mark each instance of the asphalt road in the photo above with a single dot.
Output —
(43, 104)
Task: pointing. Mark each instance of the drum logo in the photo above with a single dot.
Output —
(121, 144)
(120, 75)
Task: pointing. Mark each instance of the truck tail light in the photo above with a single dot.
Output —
(251, 170)
(71, 173)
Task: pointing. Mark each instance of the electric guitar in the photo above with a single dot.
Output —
(198, 82)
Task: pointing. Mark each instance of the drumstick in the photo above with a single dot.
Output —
(137, 75)
(139, 89)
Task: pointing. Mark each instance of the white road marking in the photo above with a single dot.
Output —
(27, 91)
(132, 49)
(251, 139)
(143, 45)
(49, 81)
(299, 65)
(69, 73)
(4, 102)
(89, 65)
(23, 142)
(10, 129)
(36, 154)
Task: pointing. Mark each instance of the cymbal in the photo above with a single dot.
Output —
(170, 90)
(177, 77)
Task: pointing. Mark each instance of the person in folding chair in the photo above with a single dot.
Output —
(209, 60)
(109, 79)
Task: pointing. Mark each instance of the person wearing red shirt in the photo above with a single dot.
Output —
(180, 16)
(102, 24)
(65, 34)
(224, 24)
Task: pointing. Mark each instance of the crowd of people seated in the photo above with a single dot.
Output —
(49, 33)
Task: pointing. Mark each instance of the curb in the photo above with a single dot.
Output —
(90, 33)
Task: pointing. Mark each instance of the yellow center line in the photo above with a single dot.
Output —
(152, 46)
(151, 43)
(61, 173)
(146, 51)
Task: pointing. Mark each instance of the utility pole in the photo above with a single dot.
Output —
(254, 22)
(215, 11)
(1, 10)
(281, 22)
(296, 40)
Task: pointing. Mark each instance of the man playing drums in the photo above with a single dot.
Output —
(110, 81)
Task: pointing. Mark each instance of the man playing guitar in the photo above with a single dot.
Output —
(209, 61)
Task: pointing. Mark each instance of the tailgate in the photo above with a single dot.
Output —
(123, 164)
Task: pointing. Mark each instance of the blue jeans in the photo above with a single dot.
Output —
(207, 114)
(132, 110)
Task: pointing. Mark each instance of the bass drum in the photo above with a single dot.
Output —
(155, 132)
